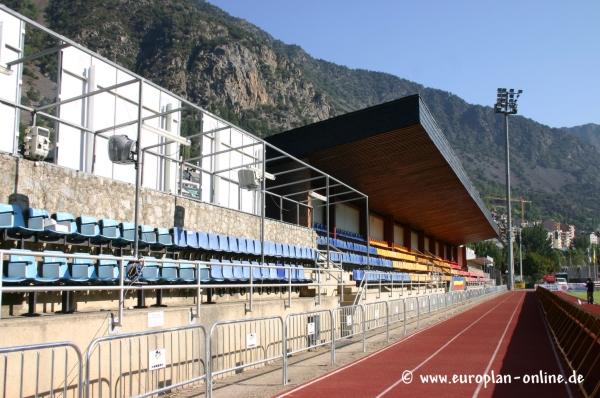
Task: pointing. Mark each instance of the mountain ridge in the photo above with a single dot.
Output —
(242, 73)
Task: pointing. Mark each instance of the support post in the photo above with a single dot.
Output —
(138, 173)
(511, 269)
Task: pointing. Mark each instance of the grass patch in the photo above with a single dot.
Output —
(583, 296)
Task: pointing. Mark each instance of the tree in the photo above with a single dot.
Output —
(535, 239)
(581, 243)
(536, 265)
(492, 249)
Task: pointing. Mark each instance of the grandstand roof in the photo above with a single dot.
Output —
(397, 155)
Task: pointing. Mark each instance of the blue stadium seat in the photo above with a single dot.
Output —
(345, 258)
(282, 273)
(150, 271)
(213, 243)
(257, 247)
(86, 229)
(14, 221)
(273, 272)
(216, 271)
(88, 226)
(233, 244)
(228, 271)
(127, 234)
(266, 273)
(179, 236)
(257, 275)
(286, 251)
(294, 273)
(108, 270)
(169, 272)
(187, 272)
(203, 240)
(53, 269)
(163, 237)
(147, 235)
(20, 269)
(270, 250)
(109, 231)
(191, 239)
(36, 219)
(83, 270)
(243, 246)
(223, 243)
(238, 272)
(7, 216)
(246, 270)
(301, 275)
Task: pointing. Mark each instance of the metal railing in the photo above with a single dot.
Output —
(53, 369)
(309, 330)
(245, 343)
(349, 321)
(161, 361)
(377, 316)
(146, 363)
(311, 277)
(576, 333)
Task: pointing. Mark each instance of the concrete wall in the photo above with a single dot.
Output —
(57, 188)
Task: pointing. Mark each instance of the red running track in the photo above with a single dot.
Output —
(505, 335)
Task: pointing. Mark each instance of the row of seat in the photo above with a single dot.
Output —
(347, 257)
(377, 276)
(21, 224)
(321, 229)
(350, 235)
(53, 269)
(357, 259)
(345, 245)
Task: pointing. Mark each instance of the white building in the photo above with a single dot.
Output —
(561, 236)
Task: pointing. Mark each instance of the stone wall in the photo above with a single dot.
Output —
(56, 188)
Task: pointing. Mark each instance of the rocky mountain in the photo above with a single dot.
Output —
(243, 74)
(588, 133)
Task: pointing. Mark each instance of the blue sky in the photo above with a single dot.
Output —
(548, 48)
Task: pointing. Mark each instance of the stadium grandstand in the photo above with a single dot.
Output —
(149, 245)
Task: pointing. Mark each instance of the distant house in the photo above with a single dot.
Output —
(594, 238)
(561, 236)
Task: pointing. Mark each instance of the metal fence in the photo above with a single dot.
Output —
(577, 335)
(49, 370)
(308, 331)
(246, 343)
(349, 321)
(377, 316)
(146, 363)
(157, 362)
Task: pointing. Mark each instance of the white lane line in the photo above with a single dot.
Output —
(489, 365)
(381, 394)
(560, 367)
(300, 387)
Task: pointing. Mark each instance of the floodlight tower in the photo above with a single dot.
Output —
(506, 103)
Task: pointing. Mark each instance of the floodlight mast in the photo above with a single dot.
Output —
(506, 103)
